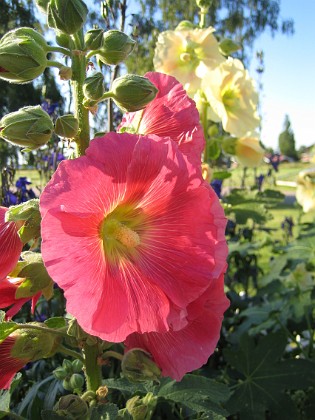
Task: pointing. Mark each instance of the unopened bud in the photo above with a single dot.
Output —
(60, 373)
(228, 47)
(72, 407)
(229, 145)
(77, 366)
(64, 40)
(67, 366)
(137, 366)
(67, 16)
(30, 127)
(76, 381)
(132, 93)
(22, 55)
(116, 47)
(94, 39)
(101, 394)
(141, 408)
(93, 86)
(67, 126)
(185, 25)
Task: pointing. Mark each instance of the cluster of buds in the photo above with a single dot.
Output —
(69, 374)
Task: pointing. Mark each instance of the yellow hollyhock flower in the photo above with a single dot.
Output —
(187, 54)
(249, 152)
(232, 97)
(305, 190)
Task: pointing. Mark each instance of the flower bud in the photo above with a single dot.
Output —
(185, 25)
(67, 126)
(22, 55)
(93, 86)
(93, 39)
(229, 145)
(28, 213)
(132, 93)
(67, 366)
(65, 73)
(141, 408)
(29, 127)
(137, 366)
(72, 407)
(67, 16)
(60, 373)
(64, 40)
(76, 381)
(116, 47)
(228, 47)
(101, 394)
(77, 366)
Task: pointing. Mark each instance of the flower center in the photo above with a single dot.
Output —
(122, 233)
(230, 99)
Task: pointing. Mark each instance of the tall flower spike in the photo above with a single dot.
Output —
(172, 113)
(141, 233)
(10, 244)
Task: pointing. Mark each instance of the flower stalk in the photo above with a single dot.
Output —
(92, 368)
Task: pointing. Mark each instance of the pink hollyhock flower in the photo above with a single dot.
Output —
(171, 114)
(10, 244)
(179, 352)
(10, 364)
(8, 289)
(135, 240)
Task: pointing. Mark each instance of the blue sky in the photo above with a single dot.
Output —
(289, 77)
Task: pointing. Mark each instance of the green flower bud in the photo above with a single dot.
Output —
(229, 145)
(65, 73)
(115, 48)
(77, 366)
(93, 86)
(67, 16)
(76, 381)
(228, 47)
(64, 40)
(67, 126)
(60, 373)
(30, 127)
(66, 385)
(28, 213)
(67, 366)
(22, 55)
(32, 345)
(185, 25)
(93, 39)
(72, 407)
(141, 408)
(42, 5)
(132, 93)
(137, 366)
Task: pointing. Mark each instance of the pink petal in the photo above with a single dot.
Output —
(179, 352)
(10, 245)
(9, 365)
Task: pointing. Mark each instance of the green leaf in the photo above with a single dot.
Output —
(228, 47)
(213, 149)
(123, 385)
(104, 412)
(263, 380)
(198, 393)
(244, 212)
(5, 396)
(221, 175)
(55, 322)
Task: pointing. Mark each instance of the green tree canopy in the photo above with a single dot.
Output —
(287, 140)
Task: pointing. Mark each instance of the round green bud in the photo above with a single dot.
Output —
(67, 16)
(116, 47)
(229, 145)
(67, 366)
(30, 127)
(66, 385)
(22, 55)
(67, 126)
(93, 86)
(60, 373)
(94, 39)
(76, 381)
(72, 407)
(185, 25)
(64, 40)
(137, 366)
(77, 366)
(132, 93)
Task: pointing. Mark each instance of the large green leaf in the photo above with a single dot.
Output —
(198, 393)
(104, 412)
(263, 379)
(245, 211)
(123, 385)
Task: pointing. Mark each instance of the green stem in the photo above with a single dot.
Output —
(64, 51)
(45, 329)
(92, 369)
(69, 352)
(80, 112)
(52, 63)
(203, 14)
(111, 353)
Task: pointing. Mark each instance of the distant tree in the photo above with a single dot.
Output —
(287, 140)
